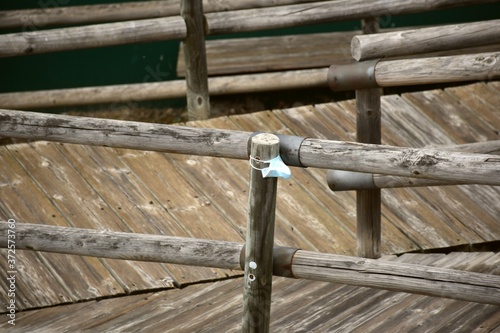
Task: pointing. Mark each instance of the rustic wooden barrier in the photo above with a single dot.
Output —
(198, 102)
(158, 29)
(390, 73)
(425, 40)
(432, 281)
(327, 154)
(258, 264)
(348, 181)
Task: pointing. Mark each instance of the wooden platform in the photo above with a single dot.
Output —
(145, 192)
(297, 306)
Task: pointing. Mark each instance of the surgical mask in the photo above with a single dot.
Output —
(276, 168)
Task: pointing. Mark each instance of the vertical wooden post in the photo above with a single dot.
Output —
(198, 102)
(368, 130)
(260, 237)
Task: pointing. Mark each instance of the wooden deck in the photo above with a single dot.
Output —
(146, 192)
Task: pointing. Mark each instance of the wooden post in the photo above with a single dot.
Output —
(195, 57)
(368, 130)
(260, 236)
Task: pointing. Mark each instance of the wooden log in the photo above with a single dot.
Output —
(425, 40)
(123, 245)
(125, 93)
(433, 281)
(321, 12)
(403, 72)
(327, 154)
(368, 130)
(260, 236)
(198, 102)
(30, 19)
(150, 30)
(91, 36)
(348, 181)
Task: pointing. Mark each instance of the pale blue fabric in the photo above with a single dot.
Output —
(276, 168)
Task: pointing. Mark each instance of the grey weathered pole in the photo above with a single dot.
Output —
(260, 236)
(198, 103)
(368, 130)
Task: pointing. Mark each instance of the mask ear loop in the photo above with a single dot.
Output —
(256, 159)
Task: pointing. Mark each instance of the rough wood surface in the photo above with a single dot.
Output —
(138, 31)
(368, 130)
(483, 66)
(122, 245)
(425, 40)
(43, 17)
(328, 154)
(91, 36)
(124, 93)
(274, 53)
(198, 102)
(260, 236)
(432, 281)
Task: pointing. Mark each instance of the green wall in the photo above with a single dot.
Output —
(157, 61)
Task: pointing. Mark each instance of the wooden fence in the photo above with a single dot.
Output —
(367, 156)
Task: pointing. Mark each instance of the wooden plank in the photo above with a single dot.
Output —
(273, 53)
(37, 270)
(59, 179)
(460, 124)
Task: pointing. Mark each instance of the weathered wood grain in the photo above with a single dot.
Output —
(91, 36)
(328, 154)
(483, 66)
(368, 130)
(198, 101)
(129, 93)
(259, 244)
(425, 40)
(62, 15)
(389, 275)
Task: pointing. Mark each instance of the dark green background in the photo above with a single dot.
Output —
(136, 63)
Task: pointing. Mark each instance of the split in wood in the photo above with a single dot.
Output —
(432, 281)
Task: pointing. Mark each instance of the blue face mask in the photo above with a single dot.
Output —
(276, 168)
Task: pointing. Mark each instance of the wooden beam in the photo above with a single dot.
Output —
(125, 93)
(195, 58)
(403, 72)
(91, 36)
(141, 31)
(31, 19)
(425, 40)
(327, 154)
(368, 130)
(432, 281)
(260, 236)
(348, 181)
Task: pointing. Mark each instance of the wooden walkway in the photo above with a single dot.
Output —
(190, 196)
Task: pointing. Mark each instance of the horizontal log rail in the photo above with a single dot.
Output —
(327, 154)
(426, 280)
(88, 14)
(425, 40)
(125, 93)
(348, 181)
(173, 27)
(403, 72)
